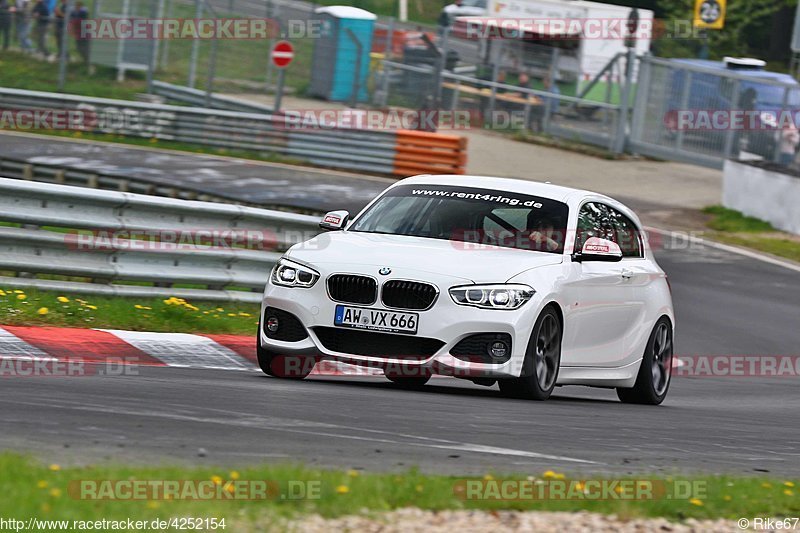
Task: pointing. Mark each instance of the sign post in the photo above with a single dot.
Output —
(282, 56)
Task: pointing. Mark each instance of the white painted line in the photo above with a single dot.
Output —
(732, 249)
(183, 350)
(12, 347)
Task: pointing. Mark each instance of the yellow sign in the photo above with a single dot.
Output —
(709, 14)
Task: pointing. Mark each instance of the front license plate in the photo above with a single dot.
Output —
(376, 319)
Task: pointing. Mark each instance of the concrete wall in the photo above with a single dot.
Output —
(763, 194)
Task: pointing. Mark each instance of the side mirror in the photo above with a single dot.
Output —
(597, 249)
(335, 220)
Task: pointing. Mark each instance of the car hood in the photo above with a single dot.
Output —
(348, 250)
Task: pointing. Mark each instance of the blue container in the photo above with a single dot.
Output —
(336, 54)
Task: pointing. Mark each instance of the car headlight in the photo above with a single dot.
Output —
(287, 273)
(492, 296)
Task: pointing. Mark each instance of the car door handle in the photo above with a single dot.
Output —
(627, 274)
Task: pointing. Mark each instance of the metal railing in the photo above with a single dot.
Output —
(104, 242)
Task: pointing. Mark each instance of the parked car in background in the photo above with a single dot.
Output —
(712, 88)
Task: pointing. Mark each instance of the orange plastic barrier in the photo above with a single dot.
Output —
(420, 152)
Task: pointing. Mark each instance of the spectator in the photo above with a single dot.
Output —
(551, 87)
(23, 24)
(789, 140)
(78, 15)
(5, 23)
(41, 14)
(447, 15)
(60, 14)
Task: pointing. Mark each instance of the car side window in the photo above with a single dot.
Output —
(626, 234)
(593, 221)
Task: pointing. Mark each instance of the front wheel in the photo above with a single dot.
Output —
(282, 366)
(542, 361)
(652, 382)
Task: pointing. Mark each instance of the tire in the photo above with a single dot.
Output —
(655, 373)
(542, 361)
(409, 383)
(282, 366)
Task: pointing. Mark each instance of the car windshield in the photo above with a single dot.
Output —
(469, 215)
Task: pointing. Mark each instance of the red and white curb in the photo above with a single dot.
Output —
(180, 350)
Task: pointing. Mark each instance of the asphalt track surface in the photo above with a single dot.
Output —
(242, 181)
(725, 304)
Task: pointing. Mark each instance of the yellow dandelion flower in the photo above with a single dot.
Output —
(789, 484)
(19, 292)
(2, 292)
(234, 475)
(220, 310)
(727, 498)
(342, 489)
(549, 474)
(54, 467)
(578, 486)
(21, 296)
(352, 473)
(152, 505)
(420, 488)
(788, 492)
(42, 484)
(231, 314)
(63, 299)
(559, 476)
(43, 311)
(55, 493)
(245, 314)
(488, 477)
(92, 307)
(217, 480)
(766, 485)
(695, 501)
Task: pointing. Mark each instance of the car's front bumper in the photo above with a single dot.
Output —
(445, 321)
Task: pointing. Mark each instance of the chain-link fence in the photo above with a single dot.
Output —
(704, 113)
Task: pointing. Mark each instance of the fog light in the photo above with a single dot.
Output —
(273, 324)
(498, 349)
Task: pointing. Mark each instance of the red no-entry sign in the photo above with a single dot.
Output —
(282, 54)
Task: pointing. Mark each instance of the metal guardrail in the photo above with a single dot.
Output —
(196, 97)
(344, 148)
(109, 254)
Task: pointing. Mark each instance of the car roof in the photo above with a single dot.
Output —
(533, 188)
(752, 73)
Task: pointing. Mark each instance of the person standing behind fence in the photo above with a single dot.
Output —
(60, 14)
(22, 19)
(5, 23)
(41, 14)
(78, 15)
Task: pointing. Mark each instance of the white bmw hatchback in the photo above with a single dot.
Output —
(524, 284)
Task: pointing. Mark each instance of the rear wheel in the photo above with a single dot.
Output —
(542, 361)
(652, 382)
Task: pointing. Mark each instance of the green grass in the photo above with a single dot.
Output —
(20, 71)
(725, 219)
(22, 307)
(34, 489)
(732, 227)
